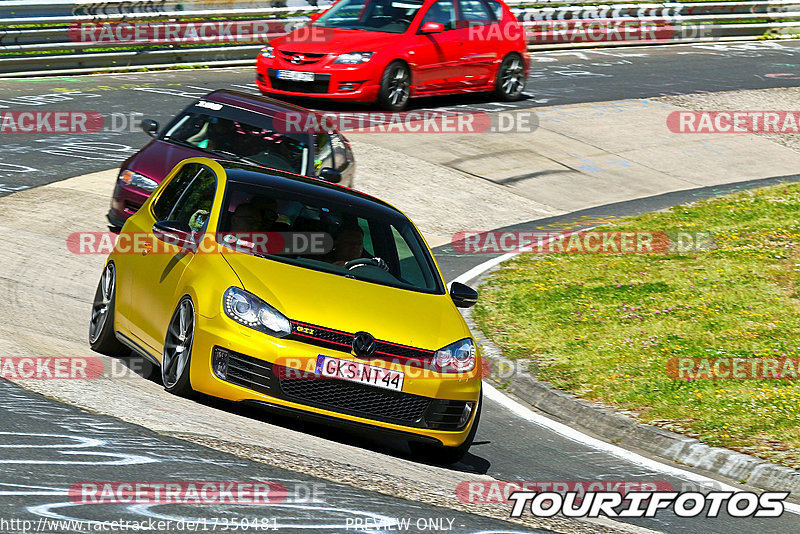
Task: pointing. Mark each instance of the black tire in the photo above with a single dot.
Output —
(395, 88)
(177, 357)
(510, 78)
(102, 338)
(440, 455)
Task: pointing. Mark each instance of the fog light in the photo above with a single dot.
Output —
(347, 86)
(219, 362)
(465, 414)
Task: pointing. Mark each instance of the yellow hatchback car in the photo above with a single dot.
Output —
(299, 295)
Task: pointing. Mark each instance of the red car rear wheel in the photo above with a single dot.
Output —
(510, 78)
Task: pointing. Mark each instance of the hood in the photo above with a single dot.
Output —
(406, 317)
(159, 157)
(332, 40)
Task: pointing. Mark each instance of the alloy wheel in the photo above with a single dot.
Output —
(102, 302)
(511, 82)
(178, 344)
(399, 86)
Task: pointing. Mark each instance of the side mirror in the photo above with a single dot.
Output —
(463, 296)
(150, 127)
(330, 175)
(176, 233)
(314, 16)
(432, 27)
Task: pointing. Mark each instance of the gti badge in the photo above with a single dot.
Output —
(363, 344)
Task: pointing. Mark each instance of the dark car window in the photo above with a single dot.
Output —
(497, 8)
(194, 206)
(390, 16)
(474, 12)
(173, 190)
(323, 153)
(237, 134)
(443, 11)
(357, 231)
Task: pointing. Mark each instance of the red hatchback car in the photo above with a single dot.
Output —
(388, 51)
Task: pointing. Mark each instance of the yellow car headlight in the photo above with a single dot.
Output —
(458, 357)
(249, 310)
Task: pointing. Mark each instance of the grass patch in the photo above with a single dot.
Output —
(603, 326)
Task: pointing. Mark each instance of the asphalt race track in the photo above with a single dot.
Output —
(66, 442)
(506, 447)
(557, 78)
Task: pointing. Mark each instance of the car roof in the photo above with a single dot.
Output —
(257, 103)
(287, 181)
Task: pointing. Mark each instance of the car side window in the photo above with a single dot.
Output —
(173, 191)
(339, 152)
(473, 13)
(364, 225)
(408, 264)
(497, 8)
(323, 153)
(443, 11)
(194, 206)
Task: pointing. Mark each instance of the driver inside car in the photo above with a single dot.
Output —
(348, 245)
(221, 134)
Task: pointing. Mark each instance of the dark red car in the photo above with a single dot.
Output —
(388, 51)
(233, 126)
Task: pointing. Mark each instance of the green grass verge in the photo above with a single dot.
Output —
(603, 326)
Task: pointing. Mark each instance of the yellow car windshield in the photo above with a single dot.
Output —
(369, 242)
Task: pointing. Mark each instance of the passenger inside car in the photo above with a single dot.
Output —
(246, 218)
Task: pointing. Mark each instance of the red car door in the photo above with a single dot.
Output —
(481, 36)
(437, 55)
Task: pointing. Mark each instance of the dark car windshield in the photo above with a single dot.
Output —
(237, 134)
(390, 16)
(376, 245)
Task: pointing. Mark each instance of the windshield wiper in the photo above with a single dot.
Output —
(347, 27)
(225, 153)
(232, 155)
(181, 142)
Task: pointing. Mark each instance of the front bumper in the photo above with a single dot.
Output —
(125, 201)
(335, 83)
(268, 371)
